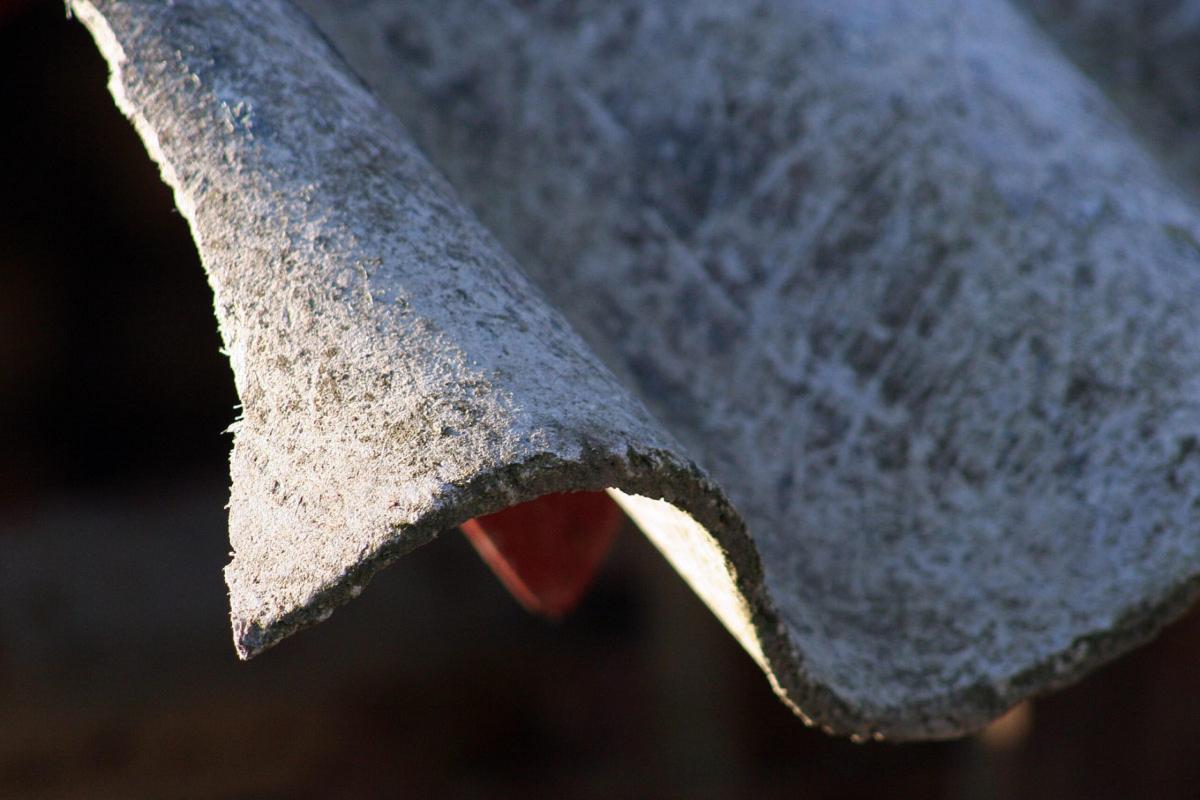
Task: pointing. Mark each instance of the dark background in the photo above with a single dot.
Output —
(117, 672)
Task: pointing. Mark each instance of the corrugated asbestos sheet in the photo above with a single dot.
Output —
(875, 317)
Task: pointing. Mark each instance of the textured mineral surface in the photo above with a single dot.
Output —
(877, 318)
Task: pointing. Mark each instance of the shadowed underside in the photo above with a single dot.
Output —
(874, 317)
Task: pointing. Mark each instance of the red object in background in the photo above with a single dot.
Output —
(547, 551)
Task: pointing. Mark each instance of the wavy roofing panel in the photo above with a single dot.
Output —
(875, 317)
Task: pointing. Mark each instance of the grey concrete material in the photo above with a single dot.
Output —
(895, 274)
(397, 371)
(1146, 55)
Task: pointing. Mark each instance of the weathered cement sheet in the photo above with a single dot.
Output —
(894, 275)
(398, 373)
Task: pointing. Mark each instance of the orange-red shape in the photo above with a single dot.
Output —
(546, 552)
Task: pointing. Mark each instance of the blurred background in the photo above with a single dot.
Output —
(117, 672)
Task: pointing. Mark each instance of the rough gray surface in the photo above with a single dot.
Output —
(398, 373)
(896, 276)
